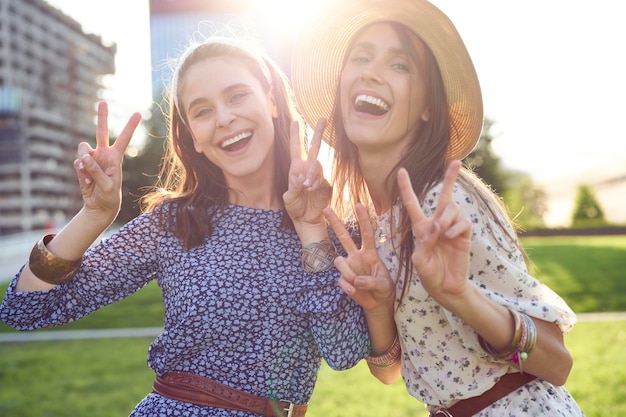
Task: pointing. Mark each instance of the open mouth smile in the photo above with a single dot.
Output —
(371, 105)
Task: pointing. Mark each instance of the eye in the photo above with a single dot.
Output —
(400, 67)
(360, 56)
(202, 112)
(237, 97)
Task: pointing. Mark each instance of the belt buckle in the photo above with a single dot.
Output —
(442, 411)
(288, 409)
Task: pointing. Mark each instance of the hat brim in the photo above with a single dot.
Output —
(320, 48)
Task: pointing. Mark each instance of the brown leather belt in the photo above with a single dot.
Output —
(468, 407)
(195, 389)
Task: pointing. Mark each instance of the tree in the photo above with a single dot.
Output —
(587, 210)
(526, 203)
(140, 172)
(486, 163)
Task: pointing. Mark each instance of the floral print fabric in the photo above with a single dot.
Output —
(239, 309)
(442, 361)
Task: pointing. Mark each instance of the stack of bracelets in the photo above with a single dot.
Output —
(387, 359)
(47, 266)
(318, 256)
(524, 339)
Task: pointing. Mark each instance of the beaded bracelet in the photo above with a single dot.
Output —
(390, 357)
(318, 256)
(47, 266)
(523, 342)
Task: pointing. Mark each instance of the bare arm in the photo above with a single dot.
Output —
(100, 177)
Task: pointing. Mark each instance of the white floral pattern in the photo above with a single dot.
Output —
(442, 361)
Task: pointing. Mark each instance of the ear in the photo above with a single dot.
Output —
(196, 144)
(272, 103)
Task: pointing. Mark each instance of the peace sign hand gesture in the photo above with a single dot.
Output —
(308, 192)
(442, 242)
(364, 276)
(100, 170)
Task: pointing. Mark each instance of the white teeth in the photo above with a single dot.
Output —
(372, 100)
(236, 139)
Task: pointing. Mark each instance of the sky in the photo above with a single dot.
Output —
(552, 73)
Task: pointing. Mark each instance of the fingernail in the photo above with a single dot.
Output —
(307, 182)
(87, 181)
(81, 165)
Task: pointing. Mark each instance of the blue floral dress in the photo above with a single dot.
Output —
(239, 309)
(442, 361)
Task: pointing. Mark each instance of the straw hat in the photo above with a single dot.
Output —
(320, 48)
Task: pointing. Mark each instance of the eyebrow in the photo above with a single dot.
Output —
(370, 46)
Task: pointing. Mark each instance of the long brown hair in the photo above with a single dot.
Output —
(188, 178)
(425, 159)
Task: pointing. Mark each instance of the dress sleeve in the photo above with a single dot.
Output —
(111, 270)
(498, 268)
(337, 322)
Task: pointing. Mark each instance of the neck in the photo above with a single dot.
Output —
(255, 194)
(375, 171)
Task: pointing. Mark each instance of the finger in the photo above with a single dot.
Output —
(315, 168)
(409, 199)
(365, 226)
(445, 196)
(316, 141)
(449, 215)
(296, 148)
(460, 228)
(342, 234)
(84, 149)
(122, 141)
(84, 179)
(94, 171)
(102, 129)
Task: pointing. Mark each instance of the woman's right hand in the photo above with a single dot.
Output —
(100, 170)
(364, 276)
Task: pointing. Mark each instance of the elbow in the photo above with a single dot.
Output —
(386, 375)
(563, 371)
(560, 372)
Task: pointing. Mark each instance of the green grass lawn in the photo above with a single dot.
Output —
(106, 378)
(99, 378)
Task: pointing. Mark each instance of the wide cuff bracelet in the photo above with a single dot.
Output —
(47, 266)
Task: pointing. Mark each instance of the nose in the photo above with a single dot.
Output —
(371, 72)
(225, 117)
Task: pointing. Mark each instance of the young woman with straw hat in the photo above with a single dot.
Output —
(479, 335)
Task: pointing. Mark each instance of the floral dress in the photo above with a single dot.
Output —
(442, 361)
(239, 309)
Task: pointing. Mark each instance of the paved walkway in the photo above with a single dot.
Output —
(152, 332)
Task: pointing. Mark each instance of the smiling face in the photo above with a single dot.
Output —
(230, 117)
(383, 94)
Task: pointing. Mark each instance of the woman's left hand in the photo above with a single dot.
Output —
(309, 192)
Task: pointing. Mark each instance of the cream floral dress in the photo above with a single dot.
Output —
(442, 361)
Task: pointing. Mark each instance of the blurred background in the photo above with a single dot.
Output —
(552, 76)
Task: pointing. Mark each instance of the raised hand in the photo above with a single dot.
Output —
(100, 170)
(442, 242)
(364, 276)
(308, 192)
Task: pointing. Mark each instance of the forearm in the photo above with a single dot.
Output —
(549, 358)
(383, 334)
(69, 244)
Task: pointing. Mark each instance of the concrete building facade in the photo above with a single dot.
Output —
(50, 81)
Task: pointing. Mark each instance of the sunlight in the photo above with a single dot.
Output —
(282, 18)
